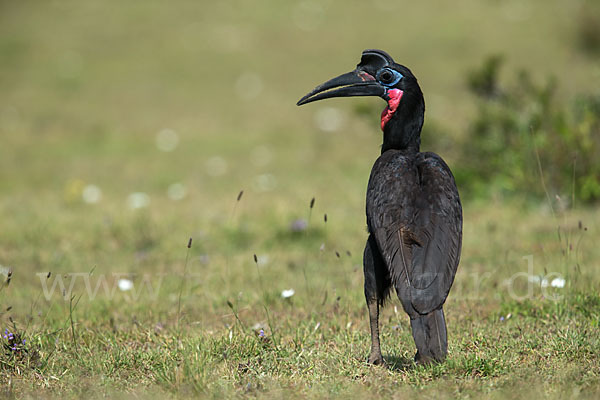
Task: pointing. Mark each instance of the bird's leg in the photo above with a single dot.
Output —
(377, 285)
(375, 357)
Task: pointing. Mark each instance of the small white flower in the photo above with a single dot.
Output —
(261, 156)
(263, 260)
(125, 285)
(216, 166)
(167, 140)
(91, 194)
(265, 182)
(286, 294)
(177, 191)
(138, 200)
(4, 270)
(558, 283)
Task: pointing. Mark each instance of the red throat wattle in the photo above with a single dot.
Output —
(393, 102)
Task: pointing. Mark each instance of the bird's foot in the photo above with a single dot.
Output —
(376, 359)
(425, 360)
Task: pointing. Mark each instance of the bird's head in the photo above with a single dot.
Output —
(376, 75)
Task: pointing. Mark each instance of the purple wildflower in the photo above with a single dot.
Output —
(299, 225)
(261, 333)
(501, 318)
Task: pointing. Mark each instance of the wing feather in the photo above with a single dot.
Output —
(414, 212)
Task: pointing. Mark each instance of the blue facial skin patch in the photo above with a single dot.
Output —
(397, 76)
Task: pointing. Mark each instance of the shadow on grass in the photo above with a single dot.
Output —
(399, 363)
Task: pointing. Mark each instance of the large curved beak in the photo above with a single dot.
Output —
(355, 83)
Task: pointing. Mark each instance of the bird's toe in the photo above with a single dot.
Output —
(376, 359)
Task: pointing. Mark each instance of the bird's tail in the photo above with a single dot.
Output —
(429, 332)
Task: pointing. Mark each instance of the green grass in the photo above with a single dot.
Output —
(87, 87)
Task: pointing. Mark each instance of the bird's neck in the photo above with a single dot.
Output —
(403, 130)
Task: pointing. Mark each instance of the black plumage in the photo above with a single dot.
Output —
(414, 215)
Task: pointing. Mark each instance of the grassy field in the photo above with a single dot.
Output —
(127, 129)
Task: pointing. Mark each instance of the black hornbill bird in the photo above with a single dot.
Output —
(414, 215)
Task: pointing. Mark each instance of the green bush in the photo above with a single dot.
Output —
(588, 28)
(526, 139)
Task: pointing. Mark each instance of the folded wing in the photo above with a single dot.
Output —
(414, 211)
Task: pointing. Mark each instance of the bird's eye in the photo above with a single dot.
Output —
(388, 77)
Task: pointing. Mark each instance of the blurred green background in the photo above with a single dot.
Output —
(87, 86)
(128, 127)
